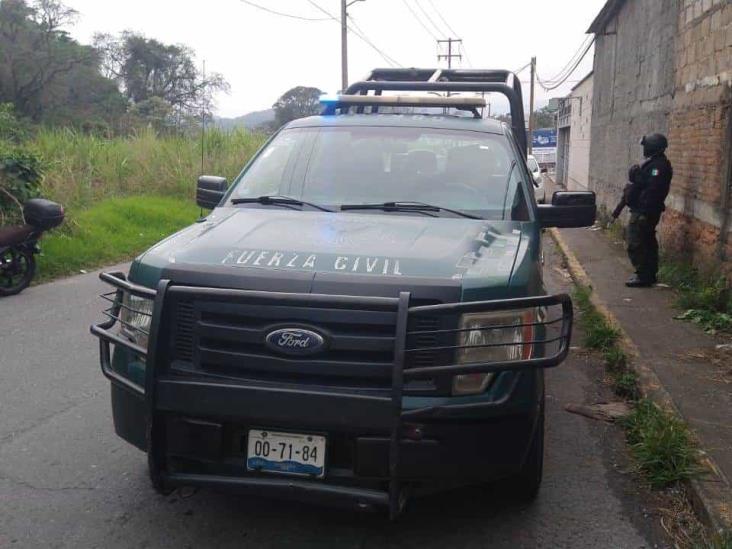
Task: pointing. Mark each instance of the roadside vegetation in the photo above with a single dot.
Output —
(660, 443)
(82, 169)
(111, 231)
(704, 298)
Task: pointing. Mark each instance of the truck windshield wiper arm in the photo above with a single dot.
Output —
(278, 200)
(406, 206)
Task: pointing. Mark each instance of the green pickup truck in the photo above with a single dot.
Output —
(361, 317)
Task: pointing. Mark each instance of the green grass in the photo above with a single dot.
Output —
(661, 445)
(719, 541)
(83, 169)
(111, 231)
(599, 334)
(706, 299)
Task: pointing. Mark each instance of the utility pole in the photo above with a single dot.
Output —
(531, 105)
(449, 55)
(344, 42)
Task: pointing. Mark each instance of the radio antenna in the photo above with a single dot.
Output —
(203, 119)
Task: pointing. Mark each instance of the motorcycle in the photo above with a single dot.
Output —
(19, 244)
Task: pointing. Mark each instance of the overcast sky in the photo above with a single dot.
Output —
(262, 55)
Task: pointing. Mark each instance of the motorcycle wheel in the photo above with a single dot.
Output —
(17, 268)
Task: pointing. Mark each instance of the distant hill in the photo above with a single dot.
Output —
(250, 120)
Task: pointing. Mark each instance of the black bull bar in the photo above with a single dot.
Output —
(350, 407)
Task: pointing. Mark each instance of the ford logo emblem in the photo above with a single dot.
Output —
(295, 341)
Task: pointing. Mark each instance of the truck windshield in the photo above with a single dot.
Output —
(462, 170)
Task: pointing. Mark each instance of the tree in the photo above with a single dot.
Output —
(295, 103)
(44, 73)
(544, 118)
(145, 68)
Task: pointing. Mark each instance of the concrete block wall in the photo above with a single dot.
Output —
(633, 86)
(579, 136)
(699, 135)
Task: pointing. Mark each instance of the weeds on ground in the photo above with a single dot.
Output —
(111, 231)
(600, 335)
(705, 299)
(720, 541)
(661, 444)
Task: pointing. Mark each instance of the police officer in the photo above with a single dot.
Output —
(645, 195)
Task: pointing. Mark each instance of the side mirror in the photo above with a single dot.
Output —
(569, 209)
(544, 170)
(210, 190)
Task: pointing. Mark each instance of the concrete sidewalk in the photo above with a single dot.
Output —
(691, 371)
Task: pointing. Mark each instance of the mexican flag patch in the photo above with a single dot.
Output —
(654, 171)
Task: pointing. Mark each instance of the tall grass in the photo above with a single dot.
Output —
(113, 230)
(84, 169)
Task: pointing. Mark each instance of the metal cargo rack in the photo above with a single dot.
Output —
(243, 400)
(438, 80)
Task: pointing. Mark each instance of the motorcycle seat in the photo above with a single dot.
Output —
(17, 234)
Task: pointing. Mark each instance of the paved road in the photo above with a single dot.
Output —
(67, 481)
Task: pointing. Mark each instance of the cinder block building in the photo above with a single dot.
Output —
(574, 124)
(666, 66)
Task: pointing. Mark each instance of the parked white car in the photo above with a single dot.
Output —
(536, 172)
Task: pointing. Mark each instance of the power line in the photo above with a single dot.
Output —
(464, 50)
(416, 17)
(452, 32)
(359, 32)
(362, 36)
(526, 66)
(548, 86)
(438, 29)
(282, 14)
(571, 60)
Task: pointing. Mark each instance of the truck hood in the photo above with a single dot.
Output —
(347, 243)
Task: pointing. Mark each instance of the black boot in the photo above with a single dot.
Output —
(636, 282)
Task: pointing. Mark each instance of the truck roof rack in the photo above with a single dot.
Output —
(445, 80)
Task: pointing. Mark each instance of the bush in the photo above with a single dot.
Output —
(21, 175)
(12, 129)
(661, 444)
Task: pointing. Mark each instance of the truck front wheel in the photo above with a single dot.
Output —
(524, 486)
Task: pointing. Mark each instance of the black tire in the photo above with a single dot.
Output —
(524, 486)
(17, 268)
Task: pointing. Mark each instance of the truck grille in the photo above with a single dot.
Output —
(228, 339)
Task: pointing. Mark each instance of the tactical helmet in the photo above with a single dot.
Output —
(653, 144)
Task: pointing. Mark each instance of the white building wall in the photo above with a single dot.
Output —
(578, 173)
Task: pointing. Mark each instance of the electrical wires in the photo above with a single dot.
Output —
(563, 75)
(419, 20)
(386, 57)
(282, 14)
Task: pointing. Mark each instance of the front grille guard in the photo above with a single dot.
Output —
(394, 498)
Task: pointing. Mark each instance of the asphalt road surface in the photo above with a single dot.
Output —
(66, 480)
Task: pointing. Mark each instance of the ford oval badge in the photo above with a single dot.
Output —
(295, 341)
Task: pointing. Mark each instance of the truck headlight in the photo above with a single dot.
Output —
(479, 338)
(135, 316)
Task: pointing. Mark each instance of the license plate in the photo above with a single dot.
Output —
(286, 453)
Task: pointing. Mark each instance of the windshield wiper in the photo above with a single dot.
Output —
(278, 200)
(407, 206)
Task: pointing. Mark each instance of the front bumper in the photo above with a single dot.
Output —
(381, 443)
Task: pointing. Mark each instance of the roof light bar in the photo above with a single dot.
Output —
(403, 101)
